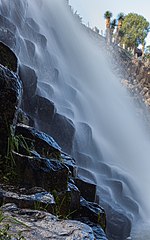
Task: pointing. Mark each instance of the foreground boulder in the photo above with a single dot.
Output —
(35, 225)
(10, 100)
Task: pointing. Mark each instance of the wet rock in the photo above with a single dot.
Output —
(7, 24)
(29, 79)
(67, 202)
(91, 211)
(40, 172)
(75, 197)
(28, 32)
(41, 40)
(118, 188)
(45, 109)
(87, 189)
(8, 38)
(62, 129)
(41, 200)
(7, 57)
(10, 100)
(44, 88)
(30, 46)
(33, 24)
(118, 224)
(22, 117)
(70, 163)
(97, 230)
(40, 225)
(43, 143)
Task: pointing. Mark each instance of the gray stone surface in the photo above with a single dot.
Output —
(40, 225)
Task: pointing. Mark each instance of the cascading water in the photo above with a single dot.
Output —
(110, 144)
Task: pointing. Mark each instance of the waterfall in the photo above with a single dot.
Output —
(110, 144)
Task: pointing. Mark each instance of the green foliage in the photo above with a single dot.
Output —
(107, 14)
(100, 221)
(14, 143)
(61, 209)
(113, 24)
(135, 29)
(58, 204)
(40, 206)
(121, 16)
(147, 50)
(8, 162)
(120, 33)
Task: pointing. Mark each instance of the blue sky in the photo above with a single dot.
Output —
(92, 11)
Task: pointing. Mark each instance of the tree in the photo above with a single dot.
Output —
(112, 27)
(113, 24)
(120, 18)
(118, 33)
(135, 29)
(148, 49)
(107, 16)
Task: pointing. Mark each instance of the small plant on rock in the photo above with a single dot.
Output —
(5, 228)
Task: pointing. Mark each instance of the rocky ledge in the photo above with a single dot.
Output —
(33, 225)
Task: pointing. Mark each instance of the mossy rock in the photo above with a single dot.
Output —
(8, 58)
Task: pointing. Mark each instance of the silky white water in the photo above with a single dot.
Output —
(85, 90)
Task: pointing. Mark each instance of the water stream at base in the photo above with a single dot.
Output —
(111, 145)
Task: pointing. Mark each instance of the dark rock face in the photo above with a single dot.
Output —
(87, 189)
(62, 129)
(33, 24)
(67, 201)
(93, 212)
(41, 172)
(29, 79)
(6, 24)
(8, 38)
(10, 100)
(8, 58)
(45, 109)
(23, 118)
(97, 230)
(70, 163)
(43, 144)
(118, 224)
